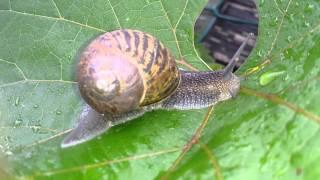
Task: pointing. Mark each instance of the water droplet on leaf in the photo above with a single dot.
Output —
(260, 53)
(18, 122)
(307, 24)
(7, 139)
(17, 101)
(309, 8)
(274, 22)
(28, 155)
(282, 57)
(36, 128)
(58, 112)
(9, 153)
(290, 17)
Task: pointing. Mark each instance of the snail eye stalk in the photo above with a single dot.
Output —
(229, 68)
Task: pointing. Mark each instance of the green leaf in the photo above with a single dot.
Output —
(271, 131)
(267, 132)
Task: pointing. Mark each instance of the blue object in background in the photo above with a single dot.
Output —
(214, 10)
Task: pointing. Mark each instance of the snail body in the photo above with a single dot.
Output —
(124, 73)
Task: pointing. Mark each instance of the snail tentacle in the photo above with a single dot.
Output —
(232, 63)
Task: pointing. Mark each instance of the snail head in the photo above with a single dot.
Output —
(231, 81)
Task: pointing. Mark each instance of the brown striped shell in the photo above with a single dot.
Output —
(123, 70)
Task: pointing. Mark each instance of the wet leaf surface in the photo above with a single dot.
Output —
(269, 131)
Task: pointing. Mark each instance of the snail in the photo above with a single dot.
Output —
(124, 73)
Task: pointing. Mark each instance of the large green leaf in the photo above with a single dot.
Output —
(268, 131)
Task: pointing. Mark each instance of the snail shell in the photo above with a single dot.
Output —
(123, 70)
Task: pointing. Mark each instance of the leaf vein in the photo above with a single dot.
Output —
(49, 138)
(60, 62)
(115, 15)
(15, 64)
(213, 161)
(276, 99)
(172, 28)
(12, 83)
(55, 5)
(55, 18)
(187, 147)
(29, 127)
(107, 162)
(278, 7)
(37, 81)
(279, 29)
(182, 13)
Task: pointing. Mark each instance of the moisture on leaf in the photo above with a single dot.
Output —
(268, 132)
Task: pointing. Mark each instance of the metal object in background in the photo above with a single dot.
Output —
(224, 24)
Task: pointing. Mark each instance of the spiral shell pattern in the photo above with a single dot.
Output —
(126, 69)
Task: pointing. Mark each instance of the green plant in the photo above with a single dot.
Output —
(269, 131)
